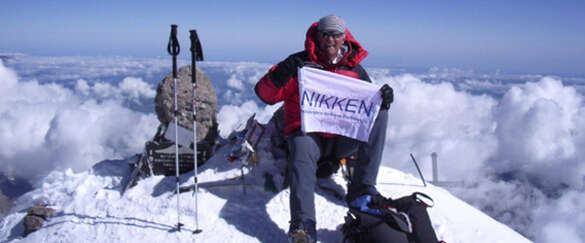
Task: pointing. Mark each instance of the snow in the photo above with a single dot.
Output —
(89, 207)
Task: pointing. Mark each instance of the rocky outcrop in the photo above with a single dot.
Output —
(36, 217)
(206, 101)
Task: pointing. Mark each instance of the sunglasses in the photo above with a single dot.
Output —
(332, 34)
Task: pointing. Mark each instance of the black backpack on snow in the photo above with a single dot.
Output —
(407, 221)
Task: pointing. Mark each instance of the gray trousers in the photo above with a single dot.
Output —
(306, 149)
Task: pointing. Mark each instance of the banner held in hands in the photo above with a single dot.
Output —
(337, 104)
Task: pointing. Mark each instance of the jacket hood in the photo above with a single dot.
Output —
(354, 55)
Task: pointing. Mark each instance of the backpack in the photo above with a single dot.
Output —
(405, 221)
(364, 227)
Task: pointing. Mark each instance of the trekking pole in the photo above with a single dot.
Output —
(196, 55)
(174, 49)
(417, 168)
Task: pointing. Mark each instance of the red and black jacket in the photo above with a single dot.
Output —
(349, 65)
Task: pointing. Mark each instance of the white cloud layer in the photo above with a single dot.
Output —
(46, 126)
(427, 118)
(532, 136)
(130, 88)
(233, 118)
(539, 132)
(561, 220)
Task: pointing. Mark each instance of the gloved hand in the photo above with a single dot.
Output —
(387, 96)
(285, 70)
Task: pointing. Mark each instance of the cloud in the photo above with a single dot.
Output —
(130, 89)
(539, 133)
(233, 118)
(427, 118)
(70, 112)
(524, 149)
(235, 83)
(510, 202)
(8, 77)
(92, 69)
(47, 126)
(535, 128)
(82, 87)
(561, 220)
(136, 88)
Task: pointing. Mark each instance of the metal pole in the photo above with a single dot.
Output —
(418, 169)
(174, 49)
(196, 55)
(435, 168)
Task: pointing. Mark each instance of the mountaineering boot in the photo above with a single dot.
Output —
(355, 192)
(372, 204)
(302, 231)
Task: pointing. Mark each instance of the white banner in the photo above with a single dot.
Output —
(337, 104)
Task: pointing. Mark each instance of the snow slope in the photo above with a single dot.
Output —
(90, 209)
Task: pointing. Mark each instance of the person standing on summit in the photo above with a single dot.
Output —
(329, 46)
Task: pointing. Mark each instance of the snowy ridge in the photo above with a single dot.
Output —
(90, 209)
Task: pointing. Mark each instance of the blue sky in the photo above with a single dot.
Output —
(513, 36)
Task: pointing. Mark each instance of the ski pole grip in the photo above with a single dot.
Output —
(173, 47)
(196, 51)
